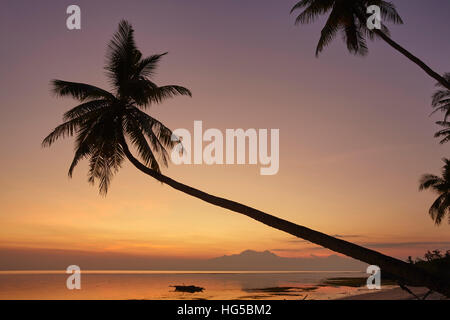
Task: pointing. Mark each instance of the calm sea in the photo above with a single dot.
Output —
(157, 285)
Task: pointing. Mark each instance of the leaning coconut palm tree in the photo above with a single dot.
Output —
(350, 18)
(105, 123)
(441, 99)
(441, 185)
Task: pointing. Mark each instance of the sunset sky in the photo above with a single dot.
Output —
(355, 133)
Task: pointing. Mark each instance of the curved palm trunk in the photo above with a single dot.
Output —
(404, 272)
(413, 58)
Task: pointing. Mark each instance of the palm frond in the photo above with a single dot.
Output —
(105, 161)
(79, 91)
(328, 32)
(122, 55)
(354, 38)
(152, 126)
(302, 4)
(446, 76)
(85, 108)
(438, 96)
(85, 141)
(170, 91)
(144, 92)
(444, 132)
(439, 208)
(428, 181)
(388, 11)
(441, 100)
(147, 66)
(446, 172)
(81, 152)
(440, 185)
(312, 11)
(68, 128)
(134, 131)
(159, 135)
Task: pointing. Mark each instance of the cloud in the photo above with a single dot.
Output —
(287, 250)
(373, 245)
(333, 235)
(347, 235)
(407, 244)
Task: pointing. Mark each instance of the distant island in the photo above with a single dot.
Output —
(266, 260)
(248, 260)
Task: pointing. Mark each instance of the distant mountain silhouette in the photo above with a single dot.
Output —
(266, 260)
(248, 260)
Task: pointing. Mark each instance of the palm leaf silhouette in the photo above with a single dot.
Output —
(440, 185)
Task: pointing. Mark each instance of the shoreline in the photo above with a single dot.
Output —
(395, 294)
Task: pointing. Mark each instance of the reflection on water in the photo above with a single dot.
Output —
(156, 285)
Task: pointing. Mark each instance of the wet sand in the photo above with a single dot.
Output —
(395, 294)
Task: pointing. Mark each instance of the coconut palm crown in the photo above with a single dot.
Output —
(441, 185)
(444, 133)
(441, 99)
(103, 119)
(349, 17)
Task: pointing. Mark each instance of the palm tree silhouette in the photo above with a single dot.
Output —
(440, 185)
(104, 121)
(441, 98)
(441, 102)
(443, 133)
(350, 17)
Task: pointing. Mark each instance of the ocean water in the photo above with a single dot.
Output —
(246, 285)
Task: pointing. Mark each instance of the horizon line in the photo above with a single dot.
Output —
(126, 271)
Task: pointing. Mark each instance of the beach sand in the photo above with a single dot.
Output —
(395, 294)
